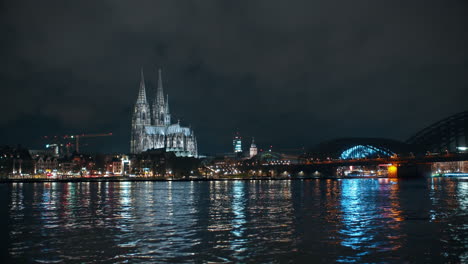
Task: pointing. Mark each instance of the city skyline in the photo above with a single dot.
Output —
(167, 131)
(290, 82)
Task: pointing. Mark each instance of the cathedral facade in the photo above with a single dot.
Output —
(152, 127)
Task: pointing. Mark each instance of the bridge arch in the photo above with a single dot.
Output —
(357, 148)
(365, 151)
(448, 134)
(268, 156)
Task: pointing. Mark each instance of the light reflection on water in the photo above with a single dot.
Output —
(368, 206)
(351, 220)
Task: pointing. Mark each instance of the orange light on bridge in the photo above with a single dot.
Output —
(392, 171)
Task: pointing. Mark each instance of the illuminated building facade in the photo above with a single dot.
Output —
(152, 128)
(237, 143)
(253, 149)
(43, 164)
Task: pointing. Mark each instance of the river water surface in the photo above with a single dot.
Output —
(319, 221)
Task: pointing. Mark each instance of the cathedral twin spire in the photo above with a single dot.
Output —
(142, 92)
(159, 93)
(151, 126)
(160, 108)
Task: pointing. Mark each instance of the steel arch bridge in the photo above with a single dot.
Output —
(448, 134)
(358, 148)
(365, 151)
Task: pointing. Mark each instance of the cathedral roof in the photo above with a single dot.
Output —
(176, 128)
(168, 130)
(155, 130)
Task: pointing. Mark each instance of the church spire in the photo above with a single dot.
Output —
(142, 92)
(160, 110)
(253, 149)
(159, 93)
(167, 103)
(167, 116)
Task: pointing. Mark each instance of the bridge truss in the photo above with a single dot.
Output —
(365, 151)
(449, 134)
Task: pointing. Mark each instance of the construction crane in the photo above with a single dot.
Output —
(77, 138)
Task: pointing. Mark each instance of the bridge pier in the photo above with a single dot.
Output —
(410, 170)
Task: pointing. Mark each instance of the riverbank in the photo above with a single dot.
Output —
(155, 179)
(135, 179)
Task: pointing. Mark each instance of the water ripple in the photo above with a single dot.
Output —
(353, 220)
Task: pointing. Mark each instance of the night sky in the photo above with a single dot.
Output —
(289, 73)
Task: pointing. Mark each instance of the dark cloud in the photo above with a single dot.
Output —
(290, 73)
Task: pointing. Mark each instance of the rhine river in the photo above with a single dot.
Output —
(317, 221)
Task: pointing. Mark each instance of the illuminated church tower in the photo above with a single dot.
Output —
(141, 118)
(253, 149)
(153, 129)
(161, 116)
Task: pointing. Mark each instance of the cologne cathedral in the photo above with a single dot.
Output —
(152, 128)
